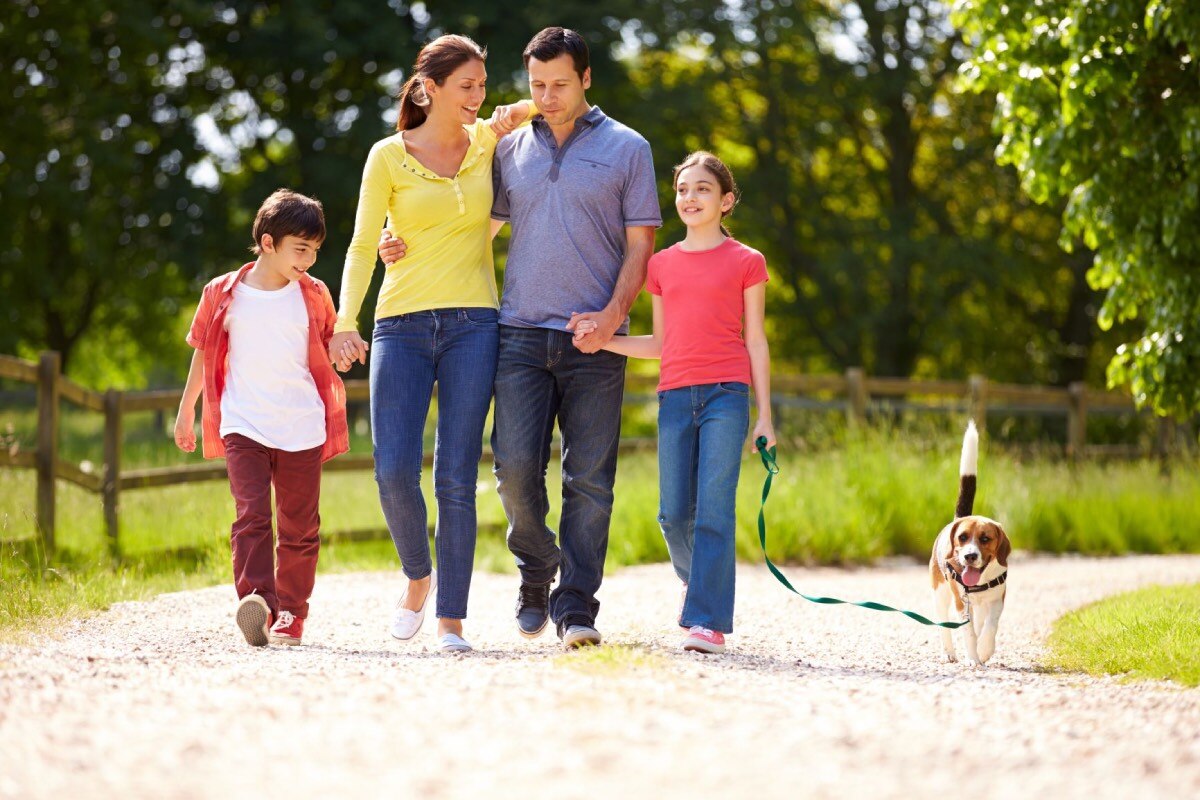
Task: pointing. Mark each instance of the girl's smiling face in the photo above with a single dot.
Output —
(698, 197)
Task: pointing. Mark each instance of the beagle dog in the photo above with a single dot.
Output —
(969, 566)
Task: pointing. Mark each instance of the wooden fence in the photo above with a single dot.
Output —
(854, 392)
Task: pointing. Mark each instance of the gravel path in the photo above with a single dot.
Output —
(163, 699)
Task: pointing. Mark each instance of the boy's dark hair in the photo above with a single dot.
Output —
(550, 43)
(287, 213)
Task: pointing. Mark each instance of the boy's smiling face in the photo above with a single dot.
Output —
(290, 257)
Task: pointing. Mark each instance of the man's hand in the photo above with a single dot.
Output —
(185, 430)
(391, 248)
(589, 339)
(346, 348)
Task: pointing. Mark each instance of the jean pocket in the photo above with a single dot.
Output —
(388, 323)
(484, 317)
(734, 387)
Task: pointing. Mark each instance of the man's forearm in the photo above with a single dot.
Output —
(632, 276)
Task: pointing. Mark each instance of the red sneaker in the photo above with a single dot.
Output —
(254, 618)
(287, 629)
(702, 640)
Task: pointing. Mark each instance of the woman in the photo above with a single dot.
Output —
(435, 320)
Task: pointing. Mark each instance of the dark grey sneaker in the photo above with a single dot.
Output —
(533, 609)
(576, 636)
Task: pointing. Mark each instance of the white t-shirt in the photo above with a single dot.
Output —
(270, 395)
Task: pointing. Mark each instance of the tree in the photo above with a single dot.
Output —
(869, 183)
(97, 104)
(1099, 105)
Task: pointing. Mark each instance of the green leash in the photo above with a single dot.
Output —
(772, 467)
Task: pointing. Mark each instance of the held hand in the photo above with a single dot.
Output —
(346, 348)
(185, 430)
(589, 339)
(391, 248)
(762, 428)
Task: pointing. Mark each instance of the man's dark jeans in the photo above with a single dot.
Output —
(542, 377)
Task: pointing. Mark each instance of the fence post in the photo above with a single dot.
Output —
(1076, 419)
(112, 469)
(978, 401)
(856, 395)
(47, 446)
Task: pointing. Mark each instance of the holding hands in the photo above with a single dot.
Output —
(346, 348)
(593, 329)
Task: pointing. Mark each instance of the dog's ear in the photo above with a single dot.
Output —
(1003, 546)
(946, 545)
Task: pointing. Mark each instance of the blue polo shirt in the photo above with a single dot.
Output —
(569, 207)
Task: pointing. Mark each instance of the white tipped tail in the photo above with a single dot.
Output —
(969, 464)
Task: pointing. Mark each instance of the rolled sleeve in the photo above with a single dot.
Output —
(198, 332)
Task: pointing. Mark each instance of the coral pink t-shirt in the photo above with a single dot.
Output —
(702, 307)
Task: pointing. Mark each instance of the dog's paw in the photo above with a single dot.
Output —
(974, 663)
(951, 658)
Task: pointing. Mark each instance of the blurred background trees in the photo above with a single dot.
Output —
(140, 137)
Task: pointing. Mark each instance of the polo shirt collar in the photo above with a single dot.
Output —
(589, 120)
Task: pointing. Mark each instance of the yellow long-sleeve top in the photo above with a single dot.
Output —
(445, 224)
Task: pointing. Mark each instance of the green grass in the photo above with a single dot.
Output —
(611, 658)
(842, 498)
(1148, 634)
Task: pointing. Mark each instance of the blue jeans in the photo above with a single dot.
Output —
(542, 377)
(701, 432)
(456, 347)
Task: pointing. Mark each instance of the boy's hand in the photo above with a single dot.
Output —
(185, 430)
(391, 248)
(762, 428)
(346, 348)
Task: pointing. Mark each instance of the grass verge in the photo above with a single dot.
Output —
(1151, 633)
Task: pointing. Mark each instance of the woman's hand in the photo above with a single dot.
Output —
(762, 428)
(346, 348)
(505, 119)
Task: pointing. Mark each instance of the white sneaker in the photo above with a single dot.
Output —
(406, 623)
(453, 643)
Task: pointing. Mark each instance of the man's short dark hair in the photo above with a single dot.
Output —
(550, 43)
(286, 213)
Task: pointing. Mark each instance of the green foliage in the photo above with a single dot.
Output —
(1098, 105)
(1147, 634)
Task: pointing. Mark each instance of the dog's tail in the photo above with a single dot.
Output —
(967, 468)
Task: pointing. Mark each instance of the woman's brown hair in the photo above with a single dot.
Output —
(436, 61)
(703, 158)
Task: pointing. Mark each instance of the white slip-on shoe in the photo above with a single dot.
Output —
(453, 643)
(406, 622)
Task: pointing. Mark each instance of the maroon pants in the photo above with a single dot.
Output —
(253, 468)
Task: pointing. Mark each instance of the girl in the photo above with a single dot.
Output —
(702, 289)
(435, 320)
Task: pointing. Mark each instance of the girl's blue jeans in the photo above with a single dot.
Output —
(456, 348)
(701, 432)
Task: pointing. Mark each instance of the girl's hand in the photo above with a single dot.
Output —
(185, 430)
(762, 428)
(582, 327)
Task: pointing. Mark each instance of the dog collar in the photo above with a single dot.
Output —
(992, 584)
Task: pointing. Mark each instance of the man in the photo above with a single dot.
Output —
(578, 188)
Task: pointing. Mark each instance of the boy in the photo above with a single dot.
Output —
(273, 407)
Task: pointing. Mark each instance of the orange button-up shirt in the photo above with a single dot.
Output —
(208, 333)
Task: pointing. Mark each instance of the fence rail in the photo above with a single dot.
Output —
(851, 392)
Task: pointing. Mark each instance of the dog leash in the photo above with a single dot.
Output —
(772, 467)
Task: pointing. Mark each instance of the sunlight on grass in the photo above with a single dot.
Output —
(1151, 633)
(611, 658)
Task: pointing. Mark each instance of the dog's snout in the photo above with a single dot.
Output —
(972, 557)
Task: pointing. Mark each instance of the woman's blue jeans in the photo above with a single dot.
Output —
(701, 432)
(456, 348)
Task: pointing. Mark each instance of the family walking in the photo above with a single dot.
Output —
(578, 189)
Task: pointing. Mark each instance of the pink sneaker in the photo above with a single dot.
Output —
(287, 629)
(702, 640)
